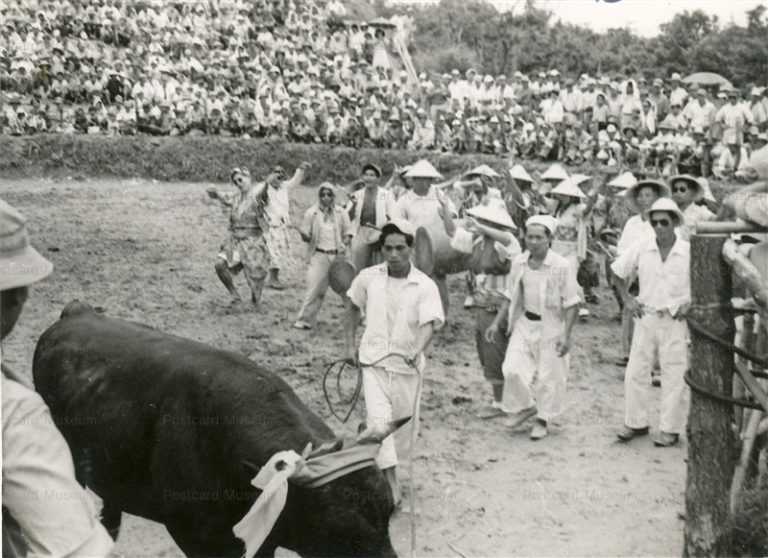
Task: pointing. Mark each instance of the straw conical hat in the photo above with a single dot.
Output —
(483, 170)
(422, 169)
(493, 214)
(555, 172)
(579, 178)
(624, 180)
(518, 172)
(568, 187)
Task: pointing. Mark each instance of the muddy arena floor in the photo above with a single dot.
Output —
(144, 250)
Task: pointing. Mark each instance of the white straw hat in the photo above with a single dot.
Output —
(422, 169)
(20, 264)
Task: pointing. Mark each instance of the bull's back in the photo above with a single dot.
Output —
(160, 413)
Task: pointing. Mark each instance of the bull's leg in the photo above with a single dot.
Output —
(225, 276)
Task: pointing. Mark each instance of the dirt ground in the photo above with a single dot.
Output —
(145, 251)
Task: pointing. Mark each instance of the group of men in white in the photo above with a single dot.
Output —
(535, 298)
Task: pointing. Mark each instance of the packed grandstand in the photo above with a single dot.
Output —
(306, 71)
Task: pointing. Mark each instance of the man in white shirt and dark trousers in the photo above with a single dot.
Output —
(662, 266)
(403, 309)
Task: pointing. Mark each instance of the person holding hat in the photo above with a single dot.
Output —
(369, 209)
(424, 205)
(37, 462)
(662, 265)
(327, 231)
(487, 234)
(540, 312)
(246, 248)
(686, 192)
(403, 310)
(278, 218)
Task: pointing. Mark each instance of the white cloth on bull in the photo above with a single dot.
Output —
(272, 480)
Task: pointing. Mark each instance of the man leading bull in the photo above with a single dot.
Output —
(45, 511)
(403, 310)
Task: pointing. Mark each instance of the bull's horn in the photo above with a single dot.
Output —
(374, 435)
(327, 447)
(307, 451)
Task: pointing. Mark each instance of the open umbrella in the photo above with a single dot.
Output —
(706, 79)
(381, 22)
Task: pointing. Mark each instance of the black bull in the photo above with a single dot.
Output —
(164, 428)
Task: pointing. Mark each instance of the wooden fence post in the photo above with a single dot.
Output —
(711, 443)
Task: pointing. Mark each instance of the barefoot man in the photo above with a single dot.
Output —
(246, 248)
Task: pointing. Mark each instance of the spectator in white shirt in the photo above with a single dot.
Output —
(700, 112)
(662, 266)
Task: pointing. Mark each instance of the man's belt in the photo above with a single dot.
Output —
(333, 252)
(662, 313)
(532, 316)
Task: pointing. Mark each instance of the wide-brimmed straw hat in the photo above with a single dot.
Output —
(493, 214)
(483, 170)
(555, 172)
(518, 172)
(691, 181)
(423, 252)
(668, 205)
(662, 190)
(568, 187)
(374, 168)
(625, 181)
(20, 264)
(340, 276)
(423, 169)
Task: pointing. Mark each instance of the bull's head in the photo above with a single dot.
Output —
(333, 514)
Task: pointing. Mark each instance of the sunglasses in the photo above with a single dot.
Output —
(682, 189)
(660, 223)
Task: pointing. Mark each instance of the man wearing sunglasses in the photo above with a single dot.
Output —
(687, 191)
(662, 266)
(327, 231)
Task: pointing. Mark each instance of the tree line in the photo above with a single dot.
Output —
(473, 33)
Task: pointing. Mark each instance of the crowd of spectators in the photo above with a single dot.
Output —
(299, 71)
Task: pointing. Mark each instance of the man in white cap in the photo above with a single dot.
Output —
(662, 266)
(45, 510)
(403, 310)
(540, 310)
(327, 232)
